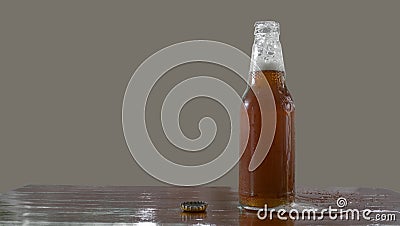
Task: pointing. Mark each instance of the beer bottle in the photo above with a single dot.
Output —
(272, 182)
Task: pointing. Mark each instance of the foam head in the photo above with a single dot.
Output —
(267, 50)
(270, 28)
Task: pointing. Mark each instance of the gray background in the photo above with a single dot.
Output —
(64, 67)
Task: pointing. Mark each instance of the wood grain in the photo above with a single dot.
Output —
(132, 205)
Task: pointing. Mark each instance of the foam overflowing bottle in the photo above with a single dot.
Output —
(266, 172)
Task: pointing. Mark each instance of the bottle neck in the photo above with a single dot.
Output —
(267, 53)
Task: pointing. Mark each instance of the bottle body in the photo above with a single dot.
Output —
(273, 181)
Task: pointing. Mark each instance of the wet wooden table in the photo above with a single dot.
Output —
(128, 205)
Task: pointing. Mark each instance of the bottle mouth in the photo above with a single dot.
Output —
(269, 28)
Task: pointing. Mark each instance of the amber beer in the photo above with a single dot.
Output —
(272, 182)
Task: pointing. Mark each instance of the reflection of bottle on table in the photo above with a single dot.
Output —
(272, 182)
(251, 219)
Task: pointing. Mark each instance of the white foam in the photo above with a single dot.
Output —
(275, 65)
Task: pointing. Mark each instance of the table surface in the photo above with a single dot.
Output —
(126, 205)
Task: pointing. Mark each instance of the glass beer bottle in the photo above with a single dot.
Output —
(272, 182)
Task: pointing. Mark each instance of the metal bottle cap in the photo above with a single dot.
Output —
(194, 206)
